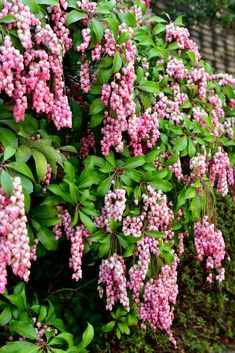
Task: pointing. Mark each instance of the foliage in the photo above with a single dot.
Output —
(109, 197)
(199, 11)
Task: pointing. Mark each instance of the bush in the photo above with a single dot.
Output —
(114, 137)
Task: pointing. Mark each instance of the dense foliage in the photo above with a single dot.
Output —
(114, 135)
(220, 12)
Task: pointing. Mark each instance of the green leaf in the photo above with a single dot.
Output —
(191, 148)
(186, 105)
(135, 162)
(74, 16)
(56, 189)
(40, 164)
(123, 37)
(130, 19)
(77, 114)
(34, 7)
(5, 316)
(173, 159)
(123, 328)
(117, 62)
(69, 170)
(149, 86)
(96, 120)
(163, 185)
(9, 152)
(87, 222)
(6, 183)
(96, 106)
(190, 193)
(23, 154)
(154, 234)
(98, 29)
(192, 56)
(87, 336)
(179, 20)
(48, 2)
(20, 347)
(156, 19)
(21, 168)
(104, 186)
(8, 138)
(24, 329)
(129, 251)
(181, 144)
(108, 327)
(8, 19)
(61, 338)
(158, 28)
(47, 238)
(113, 25)
(229, 91)
(42, 313)
(168, 257)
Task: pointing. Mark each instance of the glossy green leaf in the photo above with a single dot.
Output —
(74, 16)
(6, 183)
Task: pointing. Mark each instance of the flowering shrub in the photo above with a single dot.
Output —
(148, 135)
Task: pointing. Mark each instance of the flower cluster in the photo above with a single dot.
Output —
(85, 77)
(137, 273)
(182, 37)
(114, 207)
(143, 132)
(87, 142)
(47, 178)
(14, 241)
(118, 96)
(77, 247)
(76, 235)
(58, 16)
(156, 210)
(209, 243)
(112, 274)
(219, 168)
(158, 296)
(175, 68)
(31, 72)
(133, 226)
(86, 36)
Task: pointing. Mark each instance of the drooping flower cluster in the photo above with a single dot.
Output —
(221, 172)
(87, 142)
(47, 178)
(209, 244)
(198, 166)
(156, 210)
(77, 247)
(175, 68)
(118, 95)
(143, 131)
(158, 296)
(112, 275)
(76, 236)
(85, 77)
(182, 37)
(133, 226)
(31, 72)
(86, 36)
(14, 241)
(58, 16)
(114, 207)
(138, 272)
